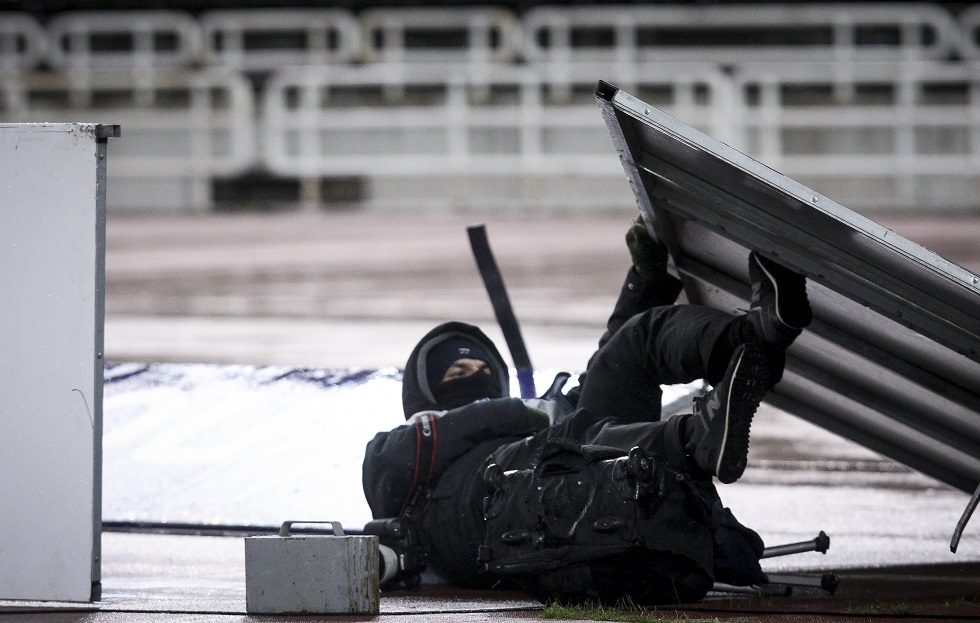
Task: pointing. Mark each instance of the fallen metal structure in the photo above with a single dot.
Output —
(892, 358)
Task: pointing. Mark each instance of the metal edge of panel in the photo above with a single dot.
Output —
(604, 93)
(694, 139)
(101, 133)
(657, 221)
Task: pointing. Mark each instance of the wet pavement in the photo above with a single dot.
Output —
(358, 290)
(353, 289)
(192, 578)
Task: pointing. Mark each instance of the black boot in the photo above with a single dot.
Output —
(718, 431)
(780, 309)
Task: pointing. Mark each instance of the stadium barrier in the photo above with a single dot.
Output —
(140, 40)
(895, 136)
(479, 107)
(23, 42)
(183, 128)
(475, 34)
(510, 138)
(736, 34)
(269, 39)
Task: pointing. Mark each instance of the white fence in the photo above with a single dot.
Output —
(872, 135)
(23, 43)
(138, 40)
(872, 104)
(731, 35)
(183, 128)
(264, 40)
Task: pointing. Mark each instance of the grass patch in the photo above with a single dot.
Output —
(961, 602)
(877, 607)
(626, 613)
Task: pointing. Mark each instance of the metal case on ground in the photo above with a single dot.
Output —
(312, 574)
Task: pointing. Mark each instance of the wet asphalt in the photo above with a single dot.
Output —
(358, 290)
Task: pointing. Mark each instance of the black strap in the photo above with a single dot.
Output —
(506, 318)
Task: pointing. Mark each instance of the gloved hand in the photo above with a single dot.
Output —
(537, 419)
(649, 256)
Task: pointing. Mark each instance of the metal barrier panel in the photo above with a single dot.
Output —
(478, 34)
(23, 42)
(52, 247)
(274, 38)
(892, 358)
(734, 34)
(182, 129)
(900, 135)
(123, 39)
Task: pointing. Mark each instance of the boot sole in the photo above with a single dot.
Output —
(793, 318)
(745, 392)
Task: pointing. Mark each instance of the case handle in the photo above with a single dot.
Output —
(338, 530)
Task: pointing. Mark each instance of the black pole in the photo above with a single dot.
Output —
(494, 283)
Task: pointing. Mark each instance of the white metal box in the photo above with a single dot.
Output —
(312, 574)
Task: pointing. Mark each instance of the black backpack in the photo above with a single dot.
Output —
(597, 524)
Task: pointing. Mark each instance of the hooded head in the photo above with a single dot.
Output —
(423, 386)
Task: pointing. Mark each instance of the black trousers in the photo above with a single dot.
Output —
(619, 398)
(618, 406)
(661, 346)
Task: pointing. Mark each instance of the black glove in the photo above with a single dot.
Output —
(537, 420)
(649, 256)
(403, 569)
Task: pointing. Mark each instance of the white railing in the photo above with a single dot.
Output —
(191, 127)
(879, 135)
(736, 34)
(438, 118)
(275, 38)
(438, 121)
(142, 40)
(23, 42)
(262, 39)
(865, 102)
(476, 35)
(969, 25)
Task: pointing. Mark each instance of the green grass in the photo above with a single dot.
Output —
(878, 607)
(960, 602)
(627, 613)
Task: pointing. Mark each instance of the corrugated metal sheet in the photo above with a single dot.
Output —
(892, 358)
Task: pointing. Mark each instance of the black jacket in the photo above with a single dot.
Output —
(402, 464)
(430, 466)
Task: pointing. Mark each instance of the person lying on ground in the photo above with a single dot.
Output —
(461, 422)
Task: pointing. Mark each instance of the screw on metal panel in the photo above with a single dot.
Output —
(815, 199)
(646, 111)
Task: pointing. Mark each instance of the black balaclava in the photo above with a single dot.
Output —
(424, 370)
(447, 351)
(464, 390)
